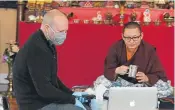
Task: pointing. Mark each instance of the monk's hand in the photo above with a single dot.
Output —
(122, 70)
(141, 77)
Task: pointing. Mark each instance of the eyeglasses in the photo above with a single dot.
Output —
(136, 38)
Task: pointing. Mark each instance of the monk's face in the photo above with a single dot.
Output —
(132, 37)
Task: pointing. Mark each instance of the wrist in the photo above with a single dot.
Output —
(117, 70)
(147, 79)
(73, 100)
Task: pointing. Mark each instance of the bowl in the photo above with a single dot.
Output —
(76, 21)
(86, 21)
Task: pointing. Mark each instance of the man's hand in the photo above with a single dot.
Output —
(121, 70)
(79, 96)
(141, 77)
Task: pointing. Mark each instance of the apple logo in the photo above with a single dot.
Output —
(132, 103)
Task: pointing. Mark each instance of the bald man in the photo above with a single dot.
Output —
(35, 80)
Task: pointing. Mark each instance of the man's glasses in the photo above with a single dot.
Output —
(136, 38)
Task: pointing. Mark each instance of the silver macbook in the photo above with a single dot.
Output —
(132, 98)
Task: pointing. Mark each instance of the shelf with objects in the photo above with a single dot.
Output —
(105, 12)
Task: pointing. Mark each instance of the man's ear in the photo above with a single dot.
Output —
(141, 35)
(122, 35)
(46, 28)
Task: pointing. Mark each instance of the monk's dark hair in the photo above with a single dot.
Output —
(131, 25)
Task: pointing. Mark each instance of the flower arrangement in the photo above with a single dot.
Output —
(10, 53)
(9, 57)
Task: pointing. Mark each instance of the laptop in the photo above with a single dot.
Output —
(132, 98)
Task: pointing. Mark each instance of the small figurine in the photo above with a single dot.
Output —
(122, 9)
(133, 16)
(108, 18)
(99, 16)
(147, 16)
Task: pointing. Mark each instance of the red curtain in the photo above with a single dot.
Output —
(81, 57)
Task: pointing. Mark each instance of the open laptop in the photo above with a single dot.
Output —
(132, 98)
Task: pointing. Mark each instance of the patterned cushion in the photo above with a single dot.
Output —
(164, 88)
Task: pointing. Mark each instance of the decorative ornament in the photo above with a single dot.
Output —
(108, 18)
(88, 4)
(147, 17)
(133, 16)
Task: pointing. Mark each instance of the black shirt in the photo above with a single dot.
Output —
(35, 78)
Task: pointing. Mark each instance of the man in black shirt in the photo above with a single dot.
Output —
(35, 80)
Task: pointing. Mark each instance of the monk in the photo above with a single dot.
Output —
(133, 50)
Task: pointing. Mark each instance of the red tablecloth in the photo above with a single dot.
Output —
(89, 13)
(81, 57)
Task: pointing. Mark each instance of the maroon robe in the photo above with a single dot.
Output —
(145, 58)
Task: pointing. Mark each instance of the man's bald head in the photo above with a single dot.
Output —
(49, 17)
